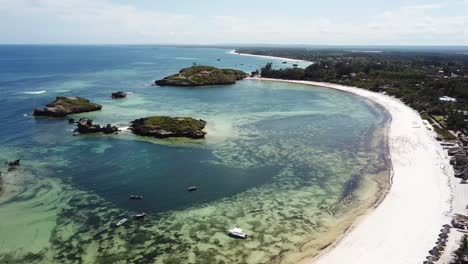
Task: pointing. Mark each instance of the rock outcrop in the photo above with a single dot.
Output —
(65, 105)
(119, 95)
(13, 165)
(165, 127)
(202, 75)
(86, 126)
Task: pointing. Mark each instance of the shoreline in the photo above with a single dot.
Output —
(268, 57)
(404, 224)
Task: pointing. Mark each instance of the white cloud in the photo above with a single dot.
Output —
(411, 25)
(423, 7)
(98, 20)
(103, 21)
(420, 22)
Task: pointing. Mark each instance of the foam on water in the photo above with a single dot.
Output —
(34, 92)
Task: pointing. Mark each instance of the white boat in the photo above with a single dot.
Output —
(142, 215)
(121, 222)
(136, 197)
(237, 232)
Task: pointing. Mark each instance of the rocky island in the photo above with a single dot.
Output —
(119, 95)
(65, 105)
(13, 165)
(164, 127)
(202, 75)
(86, 126)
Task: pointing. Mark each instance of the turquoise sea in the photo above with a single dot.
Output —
(292, 165)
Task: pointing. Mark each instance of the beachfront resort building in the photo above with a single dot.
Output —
(460, 221)
(447, 99)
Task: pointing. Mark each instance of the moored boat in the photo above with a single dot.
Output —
(237, 232)
(142, 215)
(121, 222)
(136, 197)
(192, 188)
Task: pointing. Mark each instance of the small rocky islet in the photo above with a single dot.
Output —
(165, 127)
(119, 95)
(86, 126)
(13, 165)
(202, 76)
(66, 105)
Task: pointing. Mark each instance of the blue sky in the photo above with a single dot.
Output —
(358, 22)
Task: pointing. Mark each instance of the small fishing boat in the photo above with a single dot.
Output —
(121, 222)
(237, 232)
(139, 216)
(136, 197)
(76, 134)
(192, 188)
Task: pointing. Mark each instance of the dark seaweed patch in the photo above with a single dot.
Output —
(29, 258)
(351, 186)
(93, 221)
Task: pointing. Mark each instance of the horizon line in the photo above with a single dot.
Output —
(231, 44)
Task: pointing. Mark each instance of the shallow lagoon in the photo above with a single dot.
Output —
(292, 165)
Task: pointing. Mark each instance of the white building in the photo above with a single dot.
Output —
(447, 99)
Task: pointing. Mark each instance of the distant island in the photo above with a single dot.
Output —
(202, 75)
(63, 106)
(165, 127)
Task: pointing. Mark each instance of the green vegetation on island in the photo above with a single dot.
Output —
(165, 126)
(63, 106)
(430, 82)
(202, 75)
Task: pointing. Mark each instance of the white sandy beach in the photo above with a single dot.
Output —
(405, 225)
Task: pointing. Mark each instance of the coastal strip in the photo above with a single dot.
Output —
(268, 57)
(405, 225)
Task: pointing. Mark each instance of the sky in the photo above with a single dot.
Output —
(309, 22)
